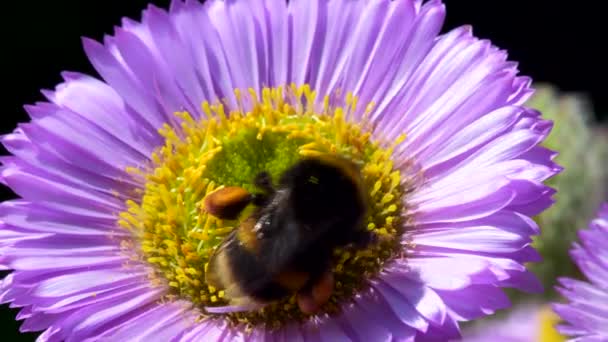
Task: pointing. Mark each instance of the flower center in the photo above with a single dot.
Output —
(173, 232)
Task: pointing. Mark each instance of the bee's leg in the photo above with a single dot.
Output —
(227, 203)
(316, 294)
(264, 182)
(319, 287)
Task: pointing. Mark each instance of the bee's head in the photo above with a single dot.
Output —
(325, 190)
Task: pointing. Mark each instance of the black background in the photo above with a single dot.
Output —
(556, 42)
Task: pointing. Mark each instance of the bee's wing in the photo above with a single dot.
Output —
(260, 265)
(217, 272)
(238, 298)
(234, 308)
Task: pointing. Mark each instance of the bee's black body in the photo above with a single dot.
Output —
(288, 242)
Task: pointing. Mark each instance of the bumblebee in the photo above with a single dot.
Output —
(286, 244)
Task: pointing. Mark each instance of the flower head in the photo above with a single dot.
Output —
(585, 315)
(110, 240)
(529, 322)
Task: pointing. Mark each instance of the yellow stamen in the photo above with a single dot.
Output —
(229, 147)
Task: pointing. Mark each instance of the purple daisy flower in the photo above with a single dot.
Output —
(586, 313)
(109, 241)
(529, 322)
